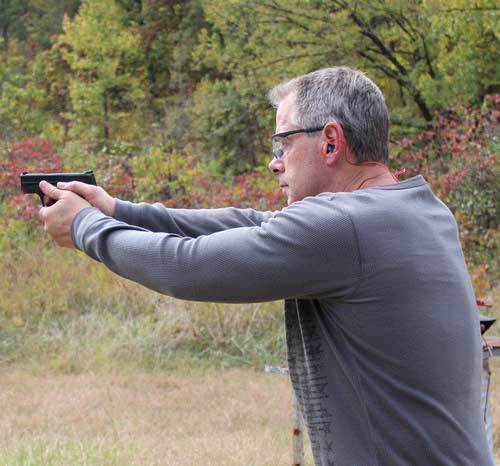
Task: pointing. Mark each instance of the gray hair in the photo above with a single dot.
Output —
(346, 96)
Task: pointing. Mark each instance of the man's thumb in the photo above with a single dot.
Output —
(82, 189)
(50, 190)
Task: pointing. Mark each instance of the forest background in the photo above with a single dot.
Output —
(167, 101)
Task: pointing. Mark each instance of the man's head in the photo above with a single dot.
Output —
(352, 116)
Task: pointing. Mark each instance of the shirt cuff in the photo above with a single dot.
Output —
(81, 221)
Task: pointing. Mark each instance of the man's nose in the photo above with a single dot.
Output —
(276, 166)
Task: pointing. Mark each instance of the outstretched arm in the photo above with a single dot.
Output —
(157, 218)
(306, 250)
(187, 222)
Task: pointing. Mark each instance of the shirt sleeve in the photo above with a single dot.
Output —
(187, 222)
(307, 250)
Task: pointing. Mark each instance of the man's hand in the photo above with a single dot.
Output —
(93, 194)
(58, 217)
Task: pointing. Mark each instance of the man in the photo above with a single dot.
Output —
(382, 334)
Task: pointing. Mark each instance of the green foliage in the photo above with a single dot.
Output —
(465, 45)
(181, 179)
(45, 19)
(25, 98)
(270, 41)
(12, 23)
(164, 173)
(20, 114)
(422, 54)
(104, 88)
(197, 73)
(229, 133)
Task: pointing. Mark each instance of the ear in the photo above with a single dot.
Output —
(333, 142)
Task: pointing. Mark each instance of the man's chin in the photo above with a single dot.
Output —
(290, 197)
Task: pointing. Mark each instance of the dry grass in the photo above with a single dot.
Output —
(234, 417)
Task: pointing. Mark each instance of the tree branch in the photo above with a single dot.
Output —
(385, 69)
(399, 20)
(403, 83)
(274, 6)
(432, 73)
(367, 32)
(289, 57)
(467, 10)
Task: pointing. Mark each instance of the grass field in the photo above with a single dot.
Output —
(231, 417)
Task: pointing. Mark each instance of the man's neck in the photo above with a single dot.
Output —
(377, 180)
(360, 177)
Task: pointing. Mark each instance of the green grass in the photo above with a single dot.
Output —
(63, 452)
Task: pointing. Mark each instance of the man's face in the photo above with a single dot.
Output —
(301, 171)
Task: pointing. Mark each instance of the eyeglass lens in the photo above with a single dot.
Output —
(278, 148)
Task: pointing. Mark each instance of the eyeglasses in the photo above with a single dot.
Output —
(278, 138)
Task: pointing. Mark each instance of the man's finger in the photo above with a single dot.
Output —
(82, 189)
(50, 190)
(48, 201)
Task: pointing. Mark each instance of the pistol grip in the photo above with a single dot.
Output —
(42, 199)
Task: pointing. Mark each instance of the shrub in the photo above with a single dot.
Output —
(34, 155)
(179, 179)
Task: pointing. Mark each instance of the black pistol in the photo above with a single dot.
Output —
(30, 181)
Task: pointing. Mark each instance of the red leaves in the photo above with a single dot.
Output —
(446, 151)
(115, 175)
(483, 304)
(253, 190)
(32, 154)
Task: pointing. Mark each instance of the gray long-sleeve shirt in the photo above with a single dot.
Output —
(382, 333)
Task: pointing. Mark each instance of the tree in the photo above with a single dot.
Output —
(44, 19)
(106, 89)
(12, 13)
(168, 31)
(407, 48)
(465, 41)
